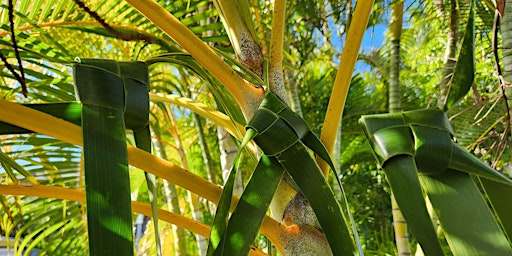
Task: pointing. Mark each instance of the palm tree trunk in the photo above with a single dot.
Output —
(450, 55)
(171, 197)
(506, 37)
(395, 29)
(228, 150)
(172, 201)
(292, 92)
(236, 16)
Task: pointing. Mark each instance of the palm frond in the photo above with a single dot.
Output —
(50, 161)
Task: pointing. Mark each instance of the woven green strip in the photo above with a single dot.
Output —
(109, 215)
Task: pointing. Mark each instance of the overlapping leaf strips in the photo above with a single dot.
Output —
(409, 143)
(101, 91)
(283, 137)
(427, 136)
(132, 90)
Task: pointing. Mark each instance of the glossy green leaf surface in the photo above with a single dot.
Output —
(107, 181)
(427, 135)
(403, 178)
(279, 133)
(291, 151)
(468, 224)
(500, 196)
(248, 215)
(136, 117)
(419, 144)
(464, 72)
(218, 234)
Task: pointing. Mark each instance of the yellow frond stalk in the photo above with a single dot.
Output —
(49, 125)
(247, 96)
(40, 122)
(234, 128)
(79, 196)
(342, 82)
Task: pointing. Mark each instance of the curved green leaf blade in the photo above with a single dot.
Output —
(281, 133)
(464, 161)
(248, 215)
(464, 71)
(403, 179)
(500, 197)
(136, 117)
(273, 134)
(388, 136)
(433, 149)
(300, 127)
(395, 147)
(433, 118)
(109, 214)
(220, 222)
(438, 157)
(468, 224)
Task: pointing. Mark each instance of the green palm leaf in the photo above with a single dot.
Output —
(101, 91)
(136, 115)
(500, 196)
(421, 141)
(280, 134)
(464, 71)
(454, 193)
(223, 99)
(252, 207)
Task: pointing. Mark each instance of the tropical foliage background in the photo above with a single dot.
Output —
(50, 34)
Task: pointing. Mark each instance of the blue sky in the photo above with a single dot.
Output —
(373, 37)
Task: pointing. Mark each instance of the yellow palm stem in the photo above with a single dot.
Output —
(138, 207)
(342, 82)
(234, 128)
(246, 94)
(43, 123)
(400, 226)
(193, 183)
(40, 122)
(49, 125)
(275, 74)
(79, 196)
